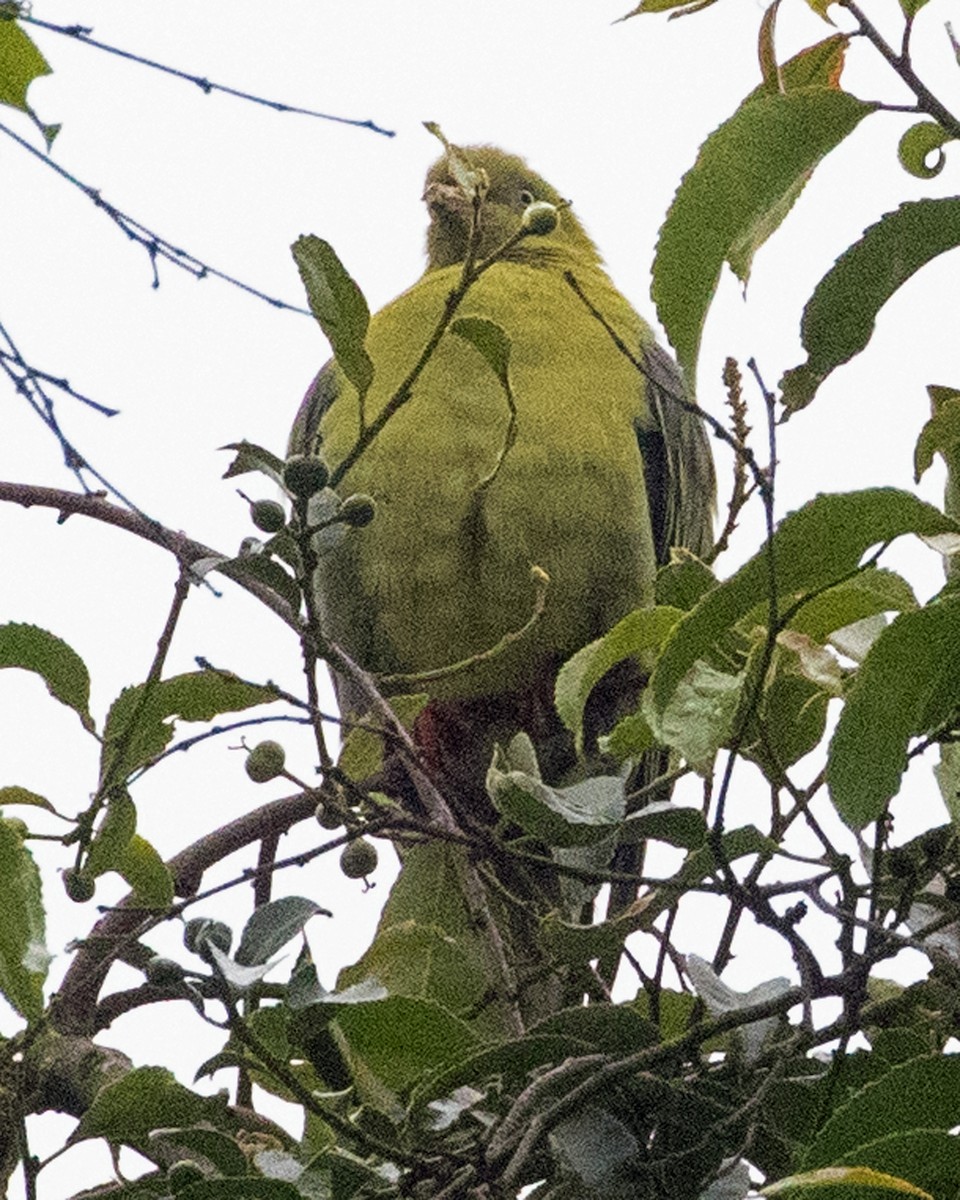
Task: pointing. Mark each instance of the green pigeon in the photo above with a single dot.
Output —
(583, 466)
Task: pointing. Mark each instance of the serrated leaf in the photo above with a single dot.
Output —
(146, 873)
(338, 305)
(928, 1158)
(815, 548)
(908, 684)
(490, 340)
(636, 636)
(839, 317)
(251, 457)
(746, 175)
(61, 668)
(271, 926)
(875, 590)
(194, 696)
(923, 1093)
(916, 146)
(23, 954)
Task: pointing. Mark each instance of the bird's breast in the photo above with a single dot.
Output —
(475, 483)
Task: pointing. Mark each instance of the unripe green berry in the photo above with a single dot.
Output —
(304, 475)
(200, 931)
(540, 218)
(329, 815)
(357, 510)
(265, 761)
(79, 886)
(182, 1174)
(358, 859)
(268, 515)
(162, 972)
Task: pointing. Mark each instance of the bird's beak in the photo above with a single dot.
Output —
(447, 198)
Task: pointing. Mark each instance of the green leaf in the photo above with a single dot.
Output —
(423, 962)
(842, 1183)
(929, 1158)
(636, 636)
(14, 794)
(719, 998)
(271, 926)
(923, 1093)
(61, 668)
(941, 434)
(145, 1099)
(195, 696)
(814, 548)
(266, 570)
(683, 581)
(629, 738)
(872, 591)
(682, 8)
(338, 305)
(910, 8)
(916, 146)
(426, 910)
(401, 1039)
(490, 340)
(241, 1189)
(791, 719)
(909, 684)
(745, 178)
(665, 821)
(594, 1146)
(23, 955)
(251, 457)
(361, 752)
(219, 1148)
(572, 816)
(700, 715)
(839, 318)
(146, 873)
(111, 840)
(20, 63)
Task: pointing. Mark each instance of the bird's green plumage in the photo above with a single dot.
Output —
(443, 571)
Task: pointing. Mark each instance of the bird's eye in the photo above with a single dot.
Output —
(526, 196)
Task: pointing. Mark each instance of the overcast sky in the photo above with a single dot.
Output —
(611, 113)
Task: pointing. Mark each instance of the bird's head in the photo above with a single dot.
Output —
(511, 187)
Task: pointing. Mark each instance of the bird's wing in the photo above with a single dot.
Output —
(304, 436)
(678, 465)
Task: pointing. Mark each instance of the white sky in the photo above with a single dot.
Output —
(611, 114)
